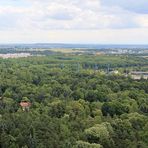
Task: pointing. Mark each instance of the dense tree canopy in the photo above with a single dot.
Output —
(73, 105)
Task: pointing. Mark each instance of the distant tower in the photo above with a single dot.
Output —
(126, 66)
(95, 67)
(62, 66)
(108, 68)
(78, 67)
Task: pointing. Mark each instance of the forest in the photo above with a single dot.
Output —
(74, 102)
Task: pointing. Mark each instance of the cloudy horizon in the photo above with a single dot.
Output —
(74, 21)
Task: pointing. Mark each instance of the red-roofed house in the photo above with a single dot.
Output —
(25, 105)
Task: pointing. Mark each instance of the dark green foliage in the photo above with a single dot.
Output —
(114, 108)
(72, 106)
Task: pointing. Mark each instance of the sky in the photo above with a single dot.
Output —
(74, 21)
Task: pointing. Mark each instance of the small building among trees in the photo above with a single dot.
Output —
(25, 104)
(137, 75)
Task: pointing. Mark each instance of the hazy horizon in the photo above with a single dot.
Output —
(75, 43)
(74, 46)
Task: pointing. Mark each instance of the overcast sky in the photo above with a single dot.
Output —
(74, 21)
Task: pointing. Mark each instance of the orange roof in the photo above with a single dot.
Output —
(25, 104)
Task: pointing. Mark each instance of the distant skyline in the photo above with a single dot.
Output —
(74, 21)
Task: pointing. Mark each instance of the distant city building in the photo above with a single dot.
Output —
(14, 55)
(139, 74)
(114, 72)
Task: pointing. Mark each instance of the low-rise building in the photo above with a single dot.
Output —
(137, 75)
(25, 105)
